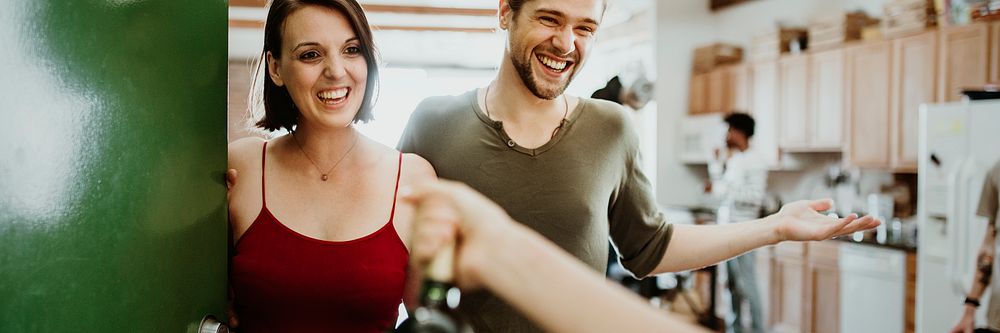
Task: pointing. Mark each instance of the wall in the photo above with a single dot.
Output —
(738, 24)
(683, 25)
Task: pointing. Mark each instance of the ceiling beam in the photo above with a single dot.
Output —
(253, 24)
(247, 3)
(394, 9)
(397, 9)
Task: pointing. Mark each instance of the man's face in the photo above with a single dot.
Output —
(549, 40)
(735, 139)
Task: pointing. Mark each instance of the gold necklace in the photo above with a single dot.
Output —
(562, 121)
(325, 175)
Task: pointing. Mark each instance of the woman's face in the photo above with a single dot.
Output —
(322, 66)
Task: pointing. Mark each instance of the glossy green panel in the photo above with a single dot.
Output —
(112, 146)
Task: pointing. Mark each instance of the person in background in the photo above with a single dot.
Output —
(569, 167)
(321, 243)
(739, 181)
(989, 207)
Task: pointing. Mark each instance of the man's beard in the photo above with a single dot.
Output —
(528, 77)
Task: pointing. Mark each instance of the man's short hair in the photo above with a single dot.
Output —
(741, 122)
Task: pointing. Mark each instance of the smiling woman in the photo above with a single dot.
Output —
(320, 240)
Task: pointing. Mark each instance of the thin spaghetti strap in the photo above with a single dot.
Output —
(399, 169)
(263, 158)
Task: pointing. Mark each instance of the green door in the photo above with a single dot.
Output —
(112, 148)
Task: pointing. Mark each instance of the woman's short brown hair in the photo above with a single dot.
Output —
(279, 109)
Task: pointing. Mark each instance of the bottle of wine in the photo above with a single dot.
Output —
(435, 315)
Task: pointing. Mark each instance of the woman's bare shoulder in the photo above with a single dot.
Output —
(244, 152)
(417, 169)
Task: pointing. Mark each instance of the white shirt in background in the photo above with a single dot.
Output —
(740, 183)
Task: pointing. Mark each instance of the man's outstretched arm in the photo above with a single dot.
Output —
(696, 246)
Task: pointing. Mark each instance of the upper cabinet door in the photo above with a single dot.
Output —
(739, 88)
(827, 102)
(764, 104)
(718, 90)
(964, 59)
(793, 105)
(697, 96)
(913, 83)
(868, 104)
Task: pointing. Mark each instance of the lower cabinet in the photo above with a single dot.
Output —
(807, 281)
(822, 288)
(787, 289)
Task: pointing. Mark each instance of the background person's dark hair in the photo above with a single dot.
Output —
(741, 122)
(279, 109)
(612, 91)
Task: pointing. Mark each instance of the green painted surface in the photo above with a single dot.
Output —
(112, 147)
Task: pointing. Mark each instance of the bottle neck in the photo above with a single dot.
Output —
(435, 293)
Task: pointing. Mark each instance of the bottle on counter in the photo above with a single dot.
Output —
(435, 314)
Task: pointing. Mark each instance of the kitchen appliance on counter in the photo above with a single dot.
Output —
(959, 142)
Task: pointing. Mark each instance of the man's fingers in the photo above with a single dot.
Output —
(418, 193)
(429, 239)
(435, 220)
(853, 223)
(859, 224)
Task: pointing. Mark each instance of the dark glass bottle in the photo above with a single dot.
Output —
(435, 315)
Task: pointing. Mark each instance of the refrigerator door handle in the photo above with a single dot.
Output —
(957, 227)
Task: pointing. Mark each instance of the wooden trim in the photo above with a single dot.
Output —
(247, 3)
(254, 24)
(909, 316)
(394, 9)
(995, 53)
(436, 29)
(260, 25)
(424, 10)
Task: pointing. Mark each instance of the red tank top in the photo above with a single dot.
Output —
(284, 281)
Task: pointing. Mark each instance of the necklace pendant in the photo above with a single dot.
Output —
(324, 178)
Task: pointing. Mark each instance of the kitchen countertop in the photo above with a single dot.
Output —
(870, 241)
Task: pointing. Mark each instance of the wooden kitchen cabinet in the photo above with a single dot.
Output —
(826, 72)
(965, 56)
(718, 91)
(698, 94)
(764, 108)
(821, 299)
(910, 314)
(793, 83)
(995, 52)
(787, 288)
(805, 287)
(739, 88)
(914, 81)
(868, 104)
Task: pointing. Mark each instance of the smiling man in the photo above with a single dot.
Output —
(568, 167)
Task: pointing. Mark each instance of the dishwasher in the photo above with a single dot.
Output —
(872, 283)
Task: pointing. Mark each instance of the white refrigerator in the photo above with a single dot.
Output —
(959, 142)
